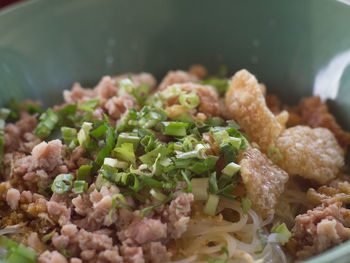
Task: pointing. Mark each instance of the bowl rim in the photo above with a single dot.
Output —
(340, 252)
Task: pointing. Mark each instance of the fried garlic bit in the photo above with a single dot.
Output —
(311, 153)
(263, 180)
(246, 103)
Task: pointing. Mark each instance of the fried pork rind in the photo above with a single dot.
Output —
(311, 153)
(246, 104)
(263, 180)
(314, 113)
(339, 191)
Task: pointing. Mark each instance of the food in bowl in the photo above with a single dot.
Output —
(195, 169)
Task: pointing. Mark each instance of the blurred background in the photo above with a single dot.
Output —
(4, 3)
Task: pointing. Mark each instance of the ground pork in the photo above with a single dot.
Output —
(18, 136)
(95, 206)
(314, 113)
(107, 88)
(178, 214)
(52, 257)
(156, 252)
(245, 103)
(59, 211)
(132, 254)
(263, 180)
(44, 163)
(177, 77)
(321, 228)
(12, 198)
(311, 153)
(198, 70)
(145, 230)
(116, 106)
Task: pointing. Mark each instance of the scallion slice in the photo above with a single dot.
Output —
(175, 128)
(62, 183)
(69, 135)
(231, 169)
(128, 138)
(115, 163)
(189, 100)
(246, 205)
(80, 186)
(84, 172)
(90, 105)
(157, 195)
(83, 134)
(211, 205)
(125, 152)
(200, 188)
(48, 122)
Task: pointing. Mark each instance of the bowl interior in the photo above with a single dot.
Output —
(297, 48)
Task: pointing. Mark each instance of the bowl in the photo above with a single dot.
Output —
(297, 48)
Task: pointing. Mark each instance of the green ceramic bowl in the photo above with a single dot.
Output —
(297, 48)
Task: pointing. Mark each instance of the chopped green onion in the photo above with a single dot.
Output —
(144, 212)
(32, 109)
(125, 152)
(175, 128)
(79, 186)
(83, 134)
(115, 163)
(69, 135)
(141, 93)
(48, 236)
(198, 152)
(17, 253)
(126, 86)
(90, 105)
(214, 121)
(4, 113)
(115, 205)
(189, 186)
(157, 195)
(282, 230)
(15, 109)
(246, 205)
(222, 137)
(150, 157)
(84, 172)
(263, 240)
(231, 169)
(233, 124)
(221, 85)
(170, 91)
(62, 183)
(128, 138)
(211, 205)
(220, 260)
(98, 132)
(105, 152)
(48, 122)
(189, 100)
(201, 166)
(200, 188)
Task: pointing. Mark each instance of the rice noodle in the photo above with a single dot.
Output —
(206, 236)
